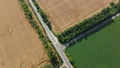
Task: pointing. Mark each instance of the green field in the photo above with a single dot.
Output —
(100, 50)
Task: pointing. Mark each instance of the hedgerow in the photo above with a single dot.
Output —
(43, 15)
(88, 23)
(47, 44)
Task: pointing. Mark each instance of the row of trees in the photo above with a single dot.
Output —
(46, 42)
(88, 23)
(43, 15)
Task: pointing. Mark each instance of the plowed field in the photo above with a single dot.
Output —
(19, 44)
(66, 13)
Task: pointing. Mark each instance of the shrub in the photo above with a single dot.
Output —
(88, 23)
(43, 15)
(42, 37)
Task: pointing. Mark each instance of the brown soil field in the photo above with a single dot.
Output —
(20, 46)
(66, 13)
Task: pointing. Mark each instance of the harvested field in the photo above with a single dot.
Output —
(66, 13)
(19, 44)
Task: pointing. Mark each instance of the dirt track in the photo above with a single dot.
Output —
(66, 13)
(19, 44)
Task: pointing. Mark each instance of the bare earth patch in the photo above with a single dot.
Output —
(19, 44)
(66, 13)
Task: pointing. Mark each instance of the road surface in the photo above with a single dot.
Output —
(59, 47)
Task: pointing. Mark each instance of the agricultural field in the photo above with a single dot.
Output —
(66, 13)
(20, 46)
(100, 50)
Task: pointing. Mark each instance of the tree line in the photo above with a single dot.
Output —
(53, 55)
(43, 15)
(88, 23)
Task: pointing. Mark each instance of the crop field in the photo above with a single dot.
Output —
(20, 46)
(66, 13)
(100, 50)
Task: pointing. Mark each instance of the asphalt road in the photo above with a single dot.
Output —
(59, 47)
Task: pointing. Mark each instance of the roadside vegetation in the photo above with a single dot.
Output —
(88, 23)
(44, 16)
(100, 50)
(52, 53)
(70, 58)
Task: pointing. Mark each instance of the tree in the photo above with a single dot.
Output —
(112, 4)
